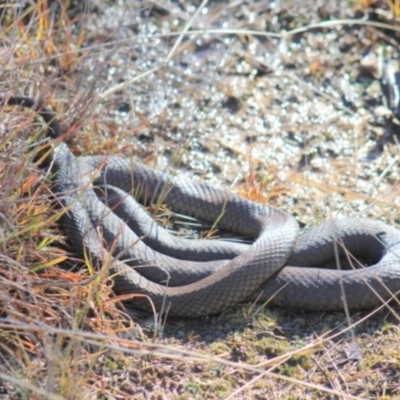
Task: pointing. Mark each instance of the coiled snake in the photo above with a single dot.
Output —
(199, 277)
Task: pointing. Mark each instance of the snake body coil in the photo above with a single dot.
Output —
(200, 277)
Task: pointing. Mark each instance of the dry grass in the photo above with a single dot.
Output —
(63, 334)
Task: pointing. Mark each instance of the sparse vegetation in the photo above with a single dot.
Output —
(289, 119)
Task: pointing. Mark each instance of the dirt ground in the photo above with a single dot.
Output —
(286, 102)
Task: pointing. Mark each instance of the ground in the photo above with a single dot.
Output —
(283, 102)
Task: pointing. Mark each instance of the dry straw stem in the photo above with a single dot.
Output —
(143, 349)
(219, 31)
(197, 33)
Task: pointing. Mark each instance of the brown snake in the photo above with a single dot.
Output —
(201, 277)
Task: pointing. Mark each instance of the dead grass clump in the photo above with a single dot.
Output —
(37, 294)
(132, 84)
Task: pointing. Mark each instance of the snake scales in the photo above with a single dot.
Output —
(199, 277)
